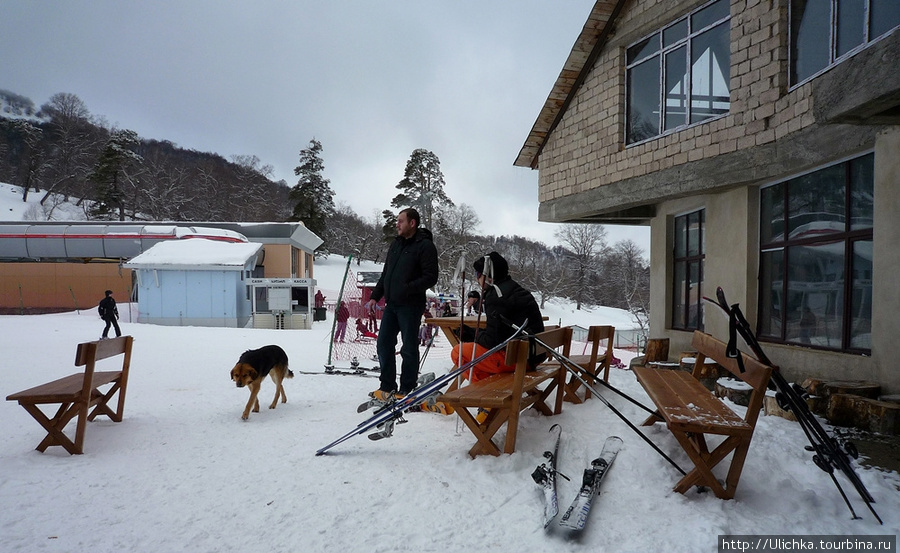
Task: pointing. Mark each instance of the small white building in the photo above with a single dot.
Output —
(195, 282)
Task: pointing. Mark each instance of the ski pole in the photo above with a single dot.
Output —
(575, 370)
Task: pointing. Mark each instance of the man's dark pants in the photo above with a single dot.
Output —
(403, 320)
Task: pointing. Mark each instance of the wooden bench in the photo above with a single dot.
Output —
(78, 392)
(691, 412)
(591, 365)
(506, 395)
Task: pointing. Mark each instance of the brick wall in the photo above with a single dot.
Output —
(587, 149)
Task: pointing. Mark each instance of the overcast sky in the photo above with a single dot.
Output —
(371, 80)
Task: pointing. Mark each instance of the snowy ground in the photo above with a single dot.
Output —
(184, 473)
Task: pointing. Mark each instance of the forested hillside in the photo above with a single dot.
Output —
(114, 174)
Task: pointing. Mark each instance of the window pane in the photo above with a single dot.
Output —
(674, 33)
(771, 279)
(816, 204)
(680, 236)
(815, 299)
(771, 218)
(810, 29)
(851, 25)
(710, 73)
(642, 49)
(643, 101)
(710, 14)
(678, 307)
(694, 299)
(884, 15)
(862, 192)
(676, 88)
(694, 230)
(861, 298)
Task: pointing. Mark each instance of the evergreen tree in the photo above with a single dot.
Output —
(312, 196)
(422, 186)
(115, 170)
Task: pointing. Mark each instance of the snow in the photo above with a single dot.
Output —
(183, 472)
(195, 252)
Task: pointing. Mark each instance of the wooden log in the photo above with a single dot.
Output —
(657, 350)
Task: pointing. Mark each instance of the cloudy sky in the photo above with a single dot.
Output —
(371, 80)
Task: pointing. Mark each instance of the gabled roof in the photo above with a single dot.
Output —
(581, 59)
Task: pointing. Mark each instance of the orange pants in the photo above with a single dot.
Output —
(493, 364)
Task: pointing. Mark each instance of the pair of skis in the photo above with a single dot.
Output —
(544, 475)
(390, 413)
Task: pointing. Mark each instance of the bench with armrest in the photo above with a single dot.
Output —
(592, 365)
(78, 392)
(691, 412)
(505, 395)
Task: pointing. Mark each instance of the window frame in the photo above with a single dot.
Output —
(833, 27)
(849, 236)
(680, 319)
(661, 52)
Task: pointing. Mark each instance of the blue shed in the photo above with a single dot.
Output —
(195, 282)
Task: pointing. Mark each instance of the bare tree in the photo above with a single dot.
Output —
(585, 242)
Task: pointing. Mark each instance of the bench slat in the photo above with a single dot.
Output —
(686, 404)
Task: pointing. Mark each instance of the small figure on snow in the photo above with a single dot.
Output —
(109, 313)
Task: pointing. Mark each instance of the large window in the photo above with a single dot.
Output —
(687, 292)
(825, 31)
(816, 258)
(679, 75)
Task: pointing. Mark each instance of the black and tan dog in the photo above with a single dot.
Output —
(252, 368)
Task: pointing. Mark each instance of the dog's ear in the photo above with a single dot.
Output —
(251, 372)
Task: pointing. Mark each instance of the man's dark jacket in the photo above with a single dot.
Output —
(410, 269)
(514, 304)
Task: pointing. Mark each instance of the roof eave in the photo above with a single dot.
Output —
(584, 54)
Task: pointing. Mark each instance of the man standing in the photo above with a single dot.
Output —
(411, 267)
(109, 313)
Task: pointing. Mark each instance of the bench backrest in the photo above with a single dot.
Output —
(101, 349)
(756, 374)
(518, 350)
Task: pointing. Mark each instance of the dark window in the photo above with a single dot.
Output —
(680, 75)
(816, 258)
(688, 256)
(825, 31)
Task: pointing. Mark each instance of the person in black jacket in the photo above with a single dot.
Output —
(411, 267)
(504, 302)
(109, 313)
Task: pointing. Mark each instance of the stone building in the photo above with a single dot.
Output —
(760, 141)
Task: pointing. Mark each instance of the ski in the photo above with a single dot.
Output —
(342, 372)
(576, 515)
(545, 477)
(394, 410)
(829, 454)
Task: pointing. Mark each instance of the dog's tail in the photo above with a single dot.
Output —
(290, 373)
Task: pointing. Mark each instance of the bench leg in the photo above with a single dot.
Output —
(702, 474)
(484, 444)
(102, 404)
(54, 427)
